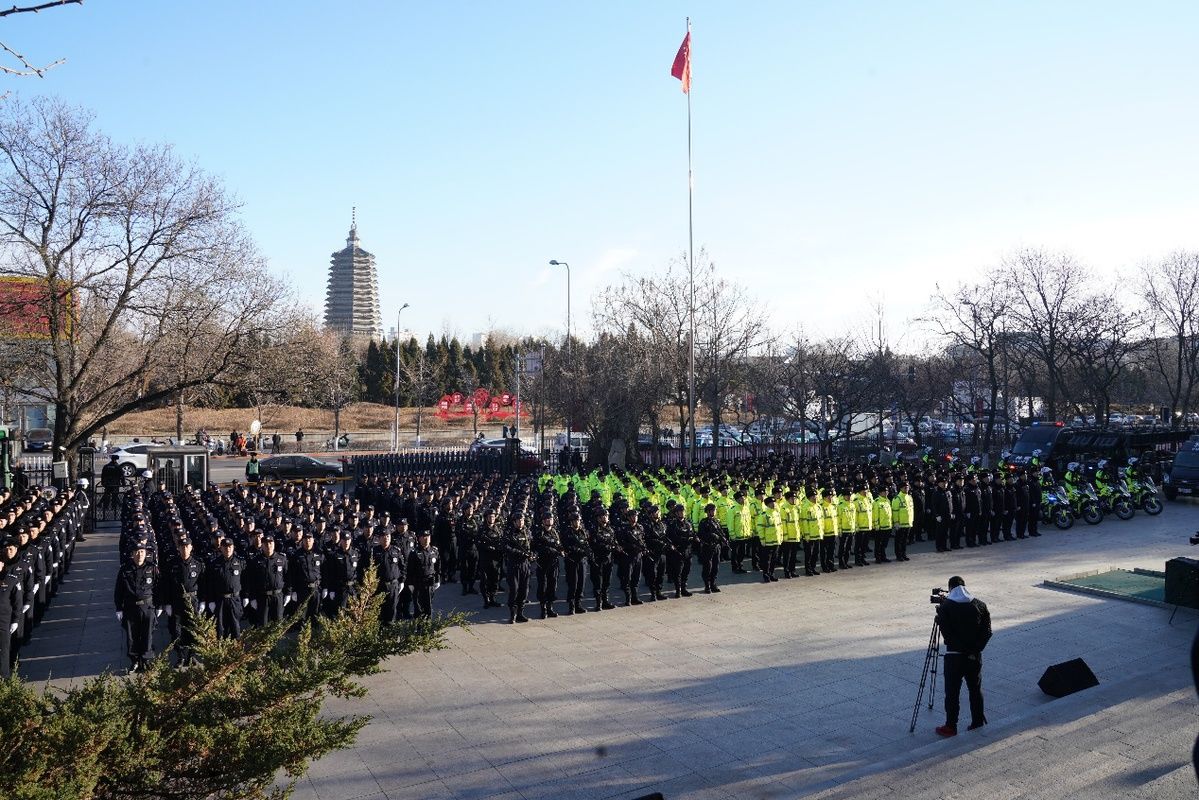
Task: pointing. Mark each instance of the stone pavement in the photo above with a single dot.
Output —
(803, 687)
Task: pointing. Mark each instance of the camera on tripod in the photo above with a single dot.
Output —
(1195, 539)
(937, 595)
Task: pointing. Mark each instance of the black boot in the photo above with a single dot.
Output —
(578, 604)
(544, 611)
(683, 591)
(658, 594)
(511, 615)
(605, 603)
(549, 610)
(635, 601)
(598, 605)
(707, 588)
(715, 588)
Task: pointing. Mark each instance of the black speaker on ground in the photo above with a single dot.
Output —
(1182, 582)
(1067, 677)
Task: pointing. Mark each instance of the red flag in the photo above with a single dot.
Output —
(682, 63)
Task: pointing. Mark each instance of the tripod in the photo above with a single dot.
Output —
(930, 666)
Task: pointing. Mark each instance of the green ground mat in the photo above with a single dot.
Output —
(1138, 585)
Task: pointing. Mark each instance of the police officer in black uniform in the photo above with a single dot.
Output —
(11, 600)
(134, 597)
(678, 557)
(577, 549)
(603, 545)
(340, 578)
(422, 574)
(267, 586)
(224, 600)
(630, 540)
(518, 552)
(548, 547)
(390, 567)
(653, 563)
(489, 545)
(305, 568)
(183, 594)
(712, 537)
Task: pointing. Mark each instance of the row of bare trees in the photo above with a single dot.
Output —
(1038, 335)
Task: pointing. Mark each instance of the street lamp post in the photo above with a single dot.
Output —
(397, 380)
(570, 408)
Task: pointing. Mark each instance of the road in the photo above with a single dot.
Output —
(223, 470)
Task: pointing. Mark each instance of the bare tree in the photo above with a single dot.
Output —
(331, 375)
(1046, 290)
(1105, 342)
(970, 321)
(142, 281)
(24, 67)
(1171, 293)
(418, 374)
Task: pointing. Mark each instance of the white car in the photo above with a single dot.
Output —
(133, 458)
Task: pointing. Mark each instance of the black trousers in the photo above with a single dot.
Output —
(709, 564)
(390, 611)
(468, 563)
(308, 601)
(844, 545)
(755, 550)
(1008, 519)
(139, 628)
(960, 667)
(547, 579)
(826, 551)
(181, 636)
(956, 527)
(1034, 518)
(576, 571)
(678, 568)
(881, 538)
(270, 607)
(903, 537)
(1021, 525)
(6, 651)
(628, 571)
(768, 555)
(653, 567)
(228, 615)
(861, 544)
(737, 550)
(517, 572)
(489, 567)
(789, 554)
(422, 599)
(448, 549)
(601, 574)
(996, 527)
(943, 533)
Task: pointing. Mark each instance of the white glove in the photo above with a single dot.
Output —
(46, 580)
(36, 586)
(254, 604)
(211, 607)
(401, 587)
(244, 602)
(158, 612)
(25, 609)
(12, 629)
(170, 611)
(436, 586)
(293, 597)
(938, 519)
(120, 616)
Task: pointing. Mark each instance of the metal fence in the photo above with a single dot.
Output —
(488, 459)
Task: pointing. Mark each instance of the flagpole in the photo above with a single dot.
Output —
(691, 270)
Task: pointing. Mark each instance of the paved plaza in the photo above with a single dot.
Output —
(800, 688)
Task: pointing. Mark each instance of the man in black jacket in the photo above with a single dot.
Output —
(965, 626)
(942, 513)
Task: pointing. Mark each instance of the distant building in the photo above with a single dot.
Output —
(478, 340)
(352, 296)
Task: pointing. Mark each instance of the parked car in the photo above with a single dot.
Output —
(133, 458)
(38, 440)
(298, 468)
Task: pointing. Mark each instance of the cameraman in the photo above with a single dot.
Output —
(965, 626)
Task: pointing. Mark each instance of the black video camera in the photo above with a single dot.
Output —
(1195, 539)
(937, 595)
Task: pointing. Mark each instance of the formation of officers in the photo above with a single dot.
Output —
(777, 513)
(256, 554)
(253, 555)
(37, 542)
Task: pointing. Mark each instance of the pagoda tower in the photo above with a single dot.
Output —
(352, 296)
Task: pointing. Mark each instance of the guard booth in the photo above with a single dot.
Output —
(178, 467)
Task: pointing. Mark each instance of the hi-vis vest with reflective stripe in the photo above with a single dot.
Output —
(903, 509)
(813, 521)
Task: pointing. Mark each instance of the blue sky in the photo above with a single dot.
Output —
(844, 152)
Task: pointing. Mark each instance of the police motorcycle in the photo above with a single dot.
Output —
(1142, 489)
(1055, 506)
(1113, 497)
(1084, 502)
